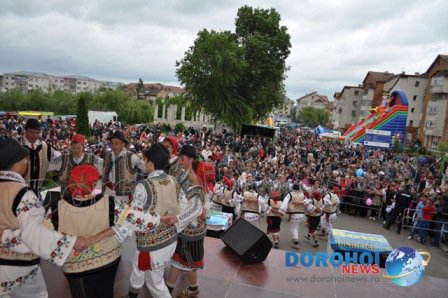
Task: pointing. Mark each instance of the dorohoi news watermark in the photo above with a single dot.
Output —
(332, 279)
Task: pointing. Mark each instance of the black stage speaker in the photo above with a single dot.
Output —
(247, 241)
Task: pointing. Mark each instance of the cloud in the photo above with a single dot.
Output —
(334, 43)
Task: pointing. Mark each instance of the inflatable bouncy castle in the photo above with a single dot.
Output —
(391, 116)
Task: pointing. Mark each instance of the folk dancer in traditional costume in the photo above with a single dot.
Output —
(252, 204)
(284, 186)
(163, 194)
(264, 186)
(274, 217)
(225, 198)
(313, 211)
(215, 204)
(24, 237)
(41, 154)
(313, 185)
(90, 273)
(330, 207)
(174, 168)
(158, 194)
(120, 169)
(65, 163)
(294, 205)
(189, 254)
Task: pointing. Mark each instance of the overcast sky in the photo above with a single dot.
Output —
(334, 43)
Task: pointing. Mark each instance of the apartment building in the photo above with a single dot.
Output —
(283, 113)
(434, 123)
(414, 86)
(348, 105)
(28, 81)
(311, 100)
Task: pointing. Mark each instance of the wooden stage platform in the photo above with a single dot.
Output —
(226, 276)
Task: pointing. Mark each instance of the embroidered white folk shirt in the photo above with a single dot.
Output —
(32, 236)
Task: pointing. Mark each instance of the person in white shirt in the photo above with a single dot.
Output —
(313, 211)
(156, 198)
(120, 169)
(63, 164)
(330, 207)
(41, 154)
(252, 204)
(189, 253)
(294, 205)
(224, 198)
(24, 237)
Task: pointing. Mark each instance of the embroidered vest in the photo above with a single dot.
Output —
(12, 194)
(284, 189)
(38, 167)
(263, 188)
(317, 204)
(162, 196)
(87, 218)
(225, 198)
(293, 207)
(68, 164)
(125, 175)
(175, 169)
(250, 202)
(275, 204)
(331, 208)
(185, 183)
(274, 186)
(197, 229)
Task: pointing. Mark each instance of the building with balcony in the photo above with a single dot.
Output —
(28, 81)
(434, 121)
(348, 105)
(414, 86)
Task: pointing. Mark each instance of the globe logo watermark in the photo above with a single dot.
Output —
(405, 266)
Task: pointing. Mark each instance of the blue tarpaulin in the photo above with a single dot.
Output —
(320, 130)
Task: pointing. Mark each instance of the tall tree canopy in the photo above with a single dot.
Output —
(82, 117)
(238, 77)
(313, 117)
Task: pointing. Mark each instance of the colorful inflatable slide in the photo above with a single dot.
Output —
(390, 116)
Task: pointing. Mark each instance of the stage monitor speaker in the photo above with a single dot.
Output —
(250, 243)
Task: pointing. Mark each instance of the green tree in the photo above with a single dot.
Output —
(82, 117)
(211, 71)
(443, 151)
(313, 117)
(238, 77)
(266, 46)
(443, 148)
(65, 103)
(13, 100)
(179, 127)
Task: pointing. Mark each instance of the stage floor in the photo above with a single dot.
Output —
(226, 276)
